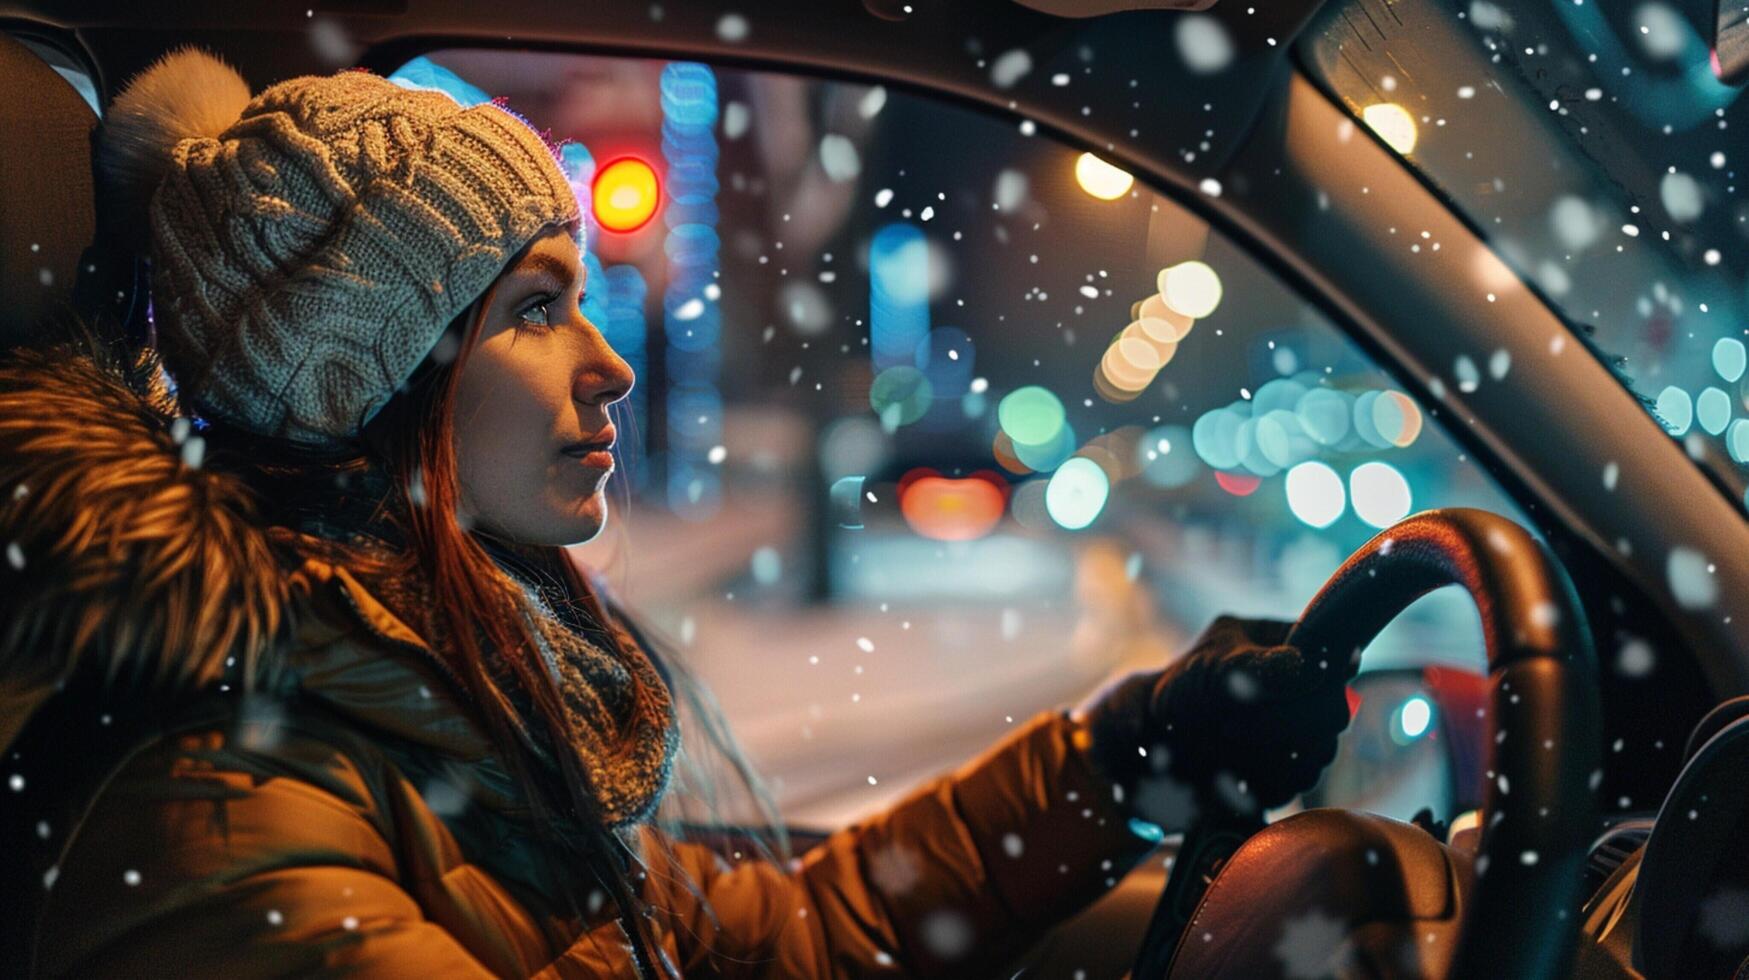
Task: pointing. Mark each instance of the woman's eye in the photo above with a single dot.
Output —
(536, 313)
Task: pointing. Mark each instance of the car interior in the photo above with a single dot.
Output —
(988, 349)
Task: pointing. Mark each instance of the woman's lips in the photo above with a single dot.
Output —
(593, 457)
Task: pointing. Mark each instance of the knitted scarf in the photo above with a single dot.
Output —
(618, 706)
(619, 709)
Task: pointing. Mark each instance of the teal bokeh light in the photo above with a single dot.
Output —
(1077, 493)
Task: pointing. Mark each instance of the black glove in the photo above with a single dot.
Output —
(1241, 716)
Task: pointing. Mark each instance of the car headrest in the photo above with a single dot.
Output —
(1694, 878)
(49, 254)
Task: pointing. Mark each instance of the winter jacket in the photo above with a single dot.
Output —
(350, 814)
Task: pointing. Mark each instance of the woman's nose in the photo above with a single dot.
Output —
(605, 377)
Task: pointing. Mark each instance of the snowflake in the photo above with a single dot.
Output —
(947, 934)
(1724, 918)
(895, 870)
(1166, 802)
(1312, 945)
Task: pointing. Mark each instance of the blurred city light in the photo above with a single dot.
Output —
(1032, 416)
(423, 73)
(1397, 418)
(1238, 484)
(1412, 720)
(1676, 410)
(1379, 493)
(1314, 494)
(1215, 437)
(1177, 325)
(1737, 441)
(898, 294)
(1047, 456)
(1076, 493)
(1324, 414)
(1101, 179)
(1393, 124)
(948, 509)
(846, 500)
(692, 326)
(1729, 358)
(900, 395)
(1192, 288)
(625, 195)
(1713, 410)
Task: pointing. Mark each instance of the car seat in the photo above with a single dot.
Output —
(52, 259)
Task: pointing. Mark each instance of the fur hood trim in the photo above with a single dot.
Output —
(124, 561)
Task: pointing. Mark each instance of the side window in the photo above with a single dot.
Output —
(940, 422)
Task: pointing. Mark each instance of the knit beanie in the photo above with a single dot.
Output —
(310, 244)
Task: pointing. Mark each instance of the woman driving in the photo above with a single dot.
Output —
(312, 686)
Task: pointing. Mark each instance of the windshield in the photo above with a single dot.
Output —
(1593, 148)
(939, 422)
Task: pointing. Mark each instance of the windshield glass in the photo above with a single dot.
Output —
(1593, 147)
(939, 422)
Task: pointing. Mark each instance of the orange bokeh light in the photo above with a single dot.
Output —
(625, 195)
(947, 509)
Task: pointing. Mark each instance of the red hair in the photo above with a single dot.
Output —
(489, 644)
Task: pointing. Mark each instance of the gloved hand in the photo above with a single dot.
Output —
(1241, 718)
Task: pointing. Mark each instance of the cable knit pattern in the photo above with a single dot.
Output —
(619, 709)
(310, 256)
(621, 712)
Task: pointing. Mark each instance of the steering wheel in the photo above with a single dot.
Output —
(1538, 811)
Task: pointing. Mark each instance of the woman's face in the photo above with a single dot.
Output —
(533, 439)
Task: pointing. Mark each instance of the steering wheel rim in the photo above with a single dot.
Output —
(1538, 809)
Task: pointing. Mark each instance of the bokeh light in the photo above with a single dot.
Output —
(1027, 505)
(1366, 422)
(846, 501)
(898, 294)
(1416, 716)
(625, 195)
(1314, 494)
(1047, 456)
(1002, 447)
(1713, 410)
(900, 395)
(1155, 308)
(1411, 720)
(850, 445)
(1101, 179)
(1282, 440)
(1251, 454)
(1192, 288)
(1393, 124)
(948, 509)
(1215, 436)
(1729, 358)
(1077, 493)
(1676, 410)
(1737, 440)
(1238, 484)
(1379, 494)
(1277, 395)
(1324, 414)
(1397, 418)
(1031, 415)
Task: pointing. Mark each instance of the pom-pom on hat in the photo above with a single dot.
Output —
(309, 245)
